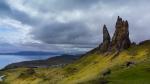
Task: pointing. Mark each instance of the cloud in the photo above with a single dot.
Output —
(13, 31)
(74, 23)
(64, 33)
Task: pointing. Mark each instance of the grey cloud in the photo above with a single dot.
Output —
(24, 18)
(7, 12)
(64, 33)
(77, 4)
(3, 6)
(80, 33)
(57, 5)
(4, 9)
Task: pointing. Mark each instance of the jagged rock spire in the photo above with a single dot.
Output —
(106, 36)
(106, 40)
(120, 38)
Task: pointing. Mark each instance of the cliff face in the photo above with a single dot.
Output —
(120, 39)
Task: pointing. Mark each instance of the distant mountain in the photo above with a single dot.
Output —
(28, 53)
(50, 62)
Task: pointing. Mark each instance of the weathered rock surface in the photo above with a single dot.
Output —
(106, 40)
(120, 38)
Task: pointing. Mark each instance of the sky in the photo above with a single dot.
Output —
(68, 26)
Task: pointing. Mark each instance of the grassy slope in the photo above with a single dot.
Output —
(88, 70)
(139, 74)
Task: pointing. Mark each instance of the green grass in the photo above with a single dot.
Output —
(138, 74)
(89, 69)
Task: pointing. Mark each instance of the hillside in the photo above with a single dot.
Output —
(57, 61)
(89, 69)
(116, 61)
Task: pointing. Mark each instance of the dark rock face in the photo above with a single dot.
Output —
(120, 38)
(106, 40)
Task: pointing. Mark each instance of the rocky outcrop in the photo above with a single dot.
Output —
(106, 40)
(120, 39)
